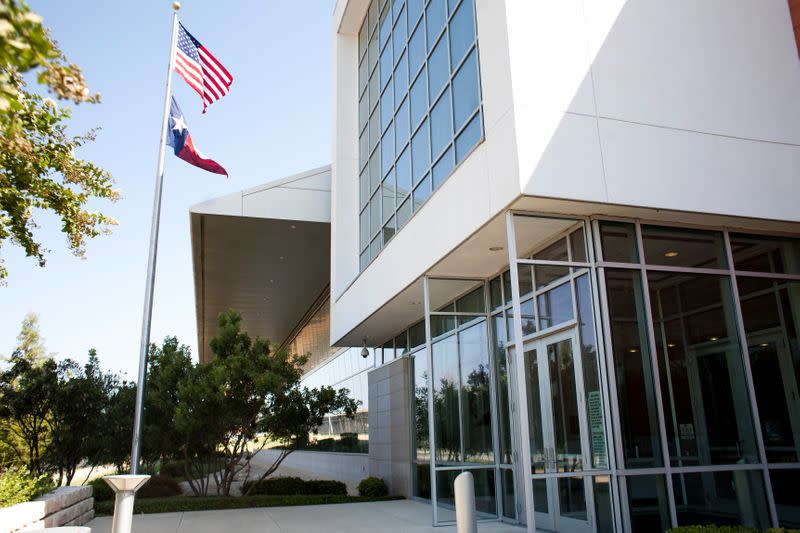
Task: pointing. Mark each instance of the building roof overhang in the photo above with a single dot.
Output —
(264, 252)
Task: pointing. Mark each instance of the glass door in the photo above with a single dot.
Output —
(558, 434)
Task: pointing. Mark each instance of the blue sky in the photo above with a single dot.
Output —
(276, 121)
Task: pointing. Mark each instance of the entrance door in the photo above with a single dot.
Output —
(559, 434)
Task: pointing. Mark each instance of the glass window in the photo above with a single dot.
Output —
(577, 245)
(771, 315)
(387, 193)
(721, 498)
(683, 247)
(404, 213)
(555, 306)
(446, 419)
(648, 503)
(787, 497)
(635, 385)
(375, 247)
(403, 173)
(374, 213)
(422, 192)
(759, 253)
(441, 124)
(364, 224)
(462, 31)
(389, 230)
(416, 335)
(404, 67)
(473, 347)
(422, 442)
(618, 240)
(485, 496)
(466, 95)
(704, 392)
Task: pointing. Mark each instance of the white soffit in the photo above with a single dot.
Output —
(264, 252)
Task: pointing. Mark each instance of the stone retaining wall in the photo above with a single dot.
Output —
(65, 506)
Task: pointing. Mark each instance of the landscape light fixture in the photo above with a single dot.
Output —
(364, 350)
(671, 253)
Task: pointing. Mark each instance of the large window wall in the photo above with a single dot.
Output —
(419, 108)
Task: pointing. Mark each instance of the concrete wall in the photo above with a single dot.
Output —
(390, 425)
(349, 468)
(65, 506)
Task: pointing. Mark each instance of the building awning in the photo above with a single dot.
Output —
(264, 252)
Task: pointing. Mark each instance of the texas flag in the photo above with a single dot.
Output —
(179, 138)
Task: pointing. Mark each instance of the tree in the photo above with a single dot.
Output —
(248, 395)
(38, 167)
(30, 344)
(76, 432)
(117, 432)
(27, 392)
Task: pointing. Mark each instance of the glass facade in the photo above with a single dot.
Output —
(419, 108)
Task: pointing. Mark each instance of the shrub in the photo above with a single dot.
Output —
(373, 487)
(101, 491)
(18, 486)
(159, 487)
(173, 469)
(292, 486)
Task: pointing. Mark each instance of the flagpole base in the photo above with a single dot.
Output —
(125, 487)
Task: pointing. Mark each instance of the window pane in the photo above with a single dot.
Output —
(372, 56)
(706, 403)
(509, 499)
(374, 129)
(618, 240)
(647, 500)
(385, 66)
(683, 247)
(504, 406)
(364, 228)
(422, 442)
(577, 244)
(420, 152)
(496, 294)
(363, 35)
(363, 185)
(416, 50)
(468, 138)
(787, 497)
(422, 192)
(399, 35)
(389, 230)
(443, 168)
(462, 31)
(374, 214)
(435, 16)
(363, 259)
(387, 193)
(438, 69)
(385, 26)
(723, 498)
(419, 99)
(387, 107)
(416, 335)
(555, 252)
(760, 253)
(387, 151)
(572, 498)
(400, 80)
(441, 124)
(528, 317)
(475, 394)
(485, 497)
(538, 456)
(555, 306)
(472, 302)
(403, 174)
(414, 11)
(404, 213)
(445, 400)
(374, 169)
(402, 127)
(466, 95)
(635, 386)
(771, 315)
(545, 275)
(375, 247)
(374, 88)
(564, 401)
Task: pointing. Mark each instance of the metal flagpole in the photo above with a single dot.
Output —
(136, 445)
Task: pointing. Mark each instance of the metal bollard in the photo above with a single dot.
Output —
(466, 520)
(125, 487)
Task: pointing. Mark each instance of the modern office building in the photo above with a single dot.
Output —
(568, 233)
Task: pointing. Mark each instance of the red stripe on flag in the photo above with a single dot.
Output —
(223, 70)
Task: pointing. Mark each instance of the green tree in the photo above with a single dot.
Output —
(246, 396)
(38, 167)
(117, 431)
(29, 341)
(27, 393)
(76, 432)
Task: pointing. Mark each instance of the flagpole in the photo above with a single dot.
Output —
(136, 445)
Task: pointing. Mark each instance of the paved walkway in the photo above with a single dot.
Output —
(401, 516)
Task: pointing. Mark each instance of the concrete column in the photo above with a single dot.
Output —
(125, 487)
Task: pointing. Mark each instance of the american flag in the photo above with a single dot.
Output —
(201, 70)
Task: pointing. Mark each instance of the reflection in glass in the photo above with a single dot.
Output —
(648, 504)
(771, 314)
(602, 504)
(445, 400)
(421, 428)
(618, 240)
(706, 404)
(504, 407)
(721, 498)
(572, 498)
(635, 386)
(475, 390)
(538, 457)
(683, 247)
(787, 497)
(485, 495)
(541, 503)
(545, 275)
(564, 401)
(760, 253)
(555, 306)
(555, 252)
(577, 245)
(509, 499)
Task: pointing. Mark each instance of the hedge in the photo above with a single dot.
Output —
(156, 487)
(372, 486)
(209, 503)
(293, 486)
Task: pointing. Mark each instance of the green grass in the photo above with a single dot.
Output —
(208, 503)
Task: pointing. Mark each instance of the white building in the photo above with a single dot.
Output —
(569, 230)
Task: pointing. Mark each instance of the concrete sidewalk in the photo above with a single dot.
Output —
(389, 517)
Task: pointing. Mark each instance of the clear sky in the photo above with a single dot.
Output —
(276, 121)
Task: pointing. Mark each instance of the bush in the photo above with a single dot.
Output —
(101, 491)
(727, 529)
(373, 487)
(173, 469)
(293, 486)
(17, 486)
(159, 487)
